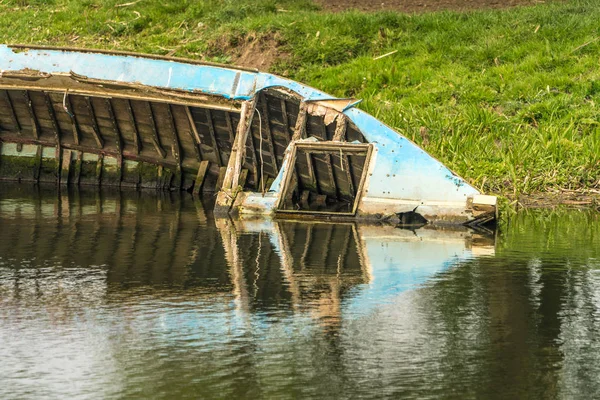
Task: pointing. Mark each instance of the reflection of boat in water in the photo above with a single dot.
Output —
(266, 144)
(102, 246)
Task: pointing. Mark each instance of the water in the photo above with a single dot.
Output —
(108, 295)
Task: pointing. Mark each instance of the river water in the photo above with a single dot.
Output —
(144, 295)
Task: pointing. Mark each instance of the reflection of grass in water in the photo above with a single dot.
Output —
(506, 98)
(546, 232)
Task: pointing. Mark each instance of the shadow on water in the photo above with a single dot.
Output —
(145, 294)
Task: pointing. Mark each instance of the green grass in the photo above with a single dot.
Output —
(506, 98)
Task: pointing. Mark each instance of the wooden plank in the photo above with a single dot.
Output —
(38, 162)
(95, 129)
(220, 179)
(35, 126)
(154, 137)
(58, 152)
(340, 129)
(66, 167)
(254, 159)
(238, 150)
(175, 147)
(346, 165)
(311, 171)
(118, 138)
(99, 169)
(286, 122)
(194, 134)
(213, 137)
(230, 127)
(200, 177)
(300, 128)
(77, 172)
(332, 181)
(137, 142)
(74, 124)
(243, 177)
(267, 125)
(11, 108)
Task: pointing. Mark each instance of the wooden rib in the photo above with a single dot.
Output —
(38, 162)
(286, 122)
(11, 108)
(230, 127)
(213, 137)
(311, 171)
(329, 161)
(340, 129)
(175, 148)
(58, 152)
(99, 169)
(95, 129)
(194, 134)
(35, 126)
(154, 137)
(243, 177)
(66, 167)
(118, 139)
(300, 128)
(78, 162)
(197, 142)
(267, 125)
(136, 134)
(254, 159)
(346, 164)
(71, 114)
(193, 125)
(202, 169)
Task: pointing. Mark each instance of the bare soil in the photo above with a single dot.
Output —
(419, 6)
(252, 51)
(573, 198)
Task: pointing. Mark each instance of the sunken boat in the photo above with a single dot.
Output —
(263, 144)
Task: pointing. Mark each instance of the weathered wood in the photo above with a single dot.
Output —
(220, 179)
(77, 172)
(118, 139)
(74, 125)
(175, 147)
(137, 142)
(202, 169)
(238, 150)
(99, 169)
(194, 134)
(95, 129)
(38, 162)
(66, 167)
(35, 126)
(253, 156)
(332, 182)
(286, 122)
(346, 164)
(11, 108)
(230, 127)
(311, 171)
(340, 128)
(213, 136)
(56, 129)
(300, 128)
(243, 177)
(154, 137)
(267, 125)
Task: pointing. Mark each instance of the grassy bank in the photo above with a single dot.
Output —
(506, 98)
